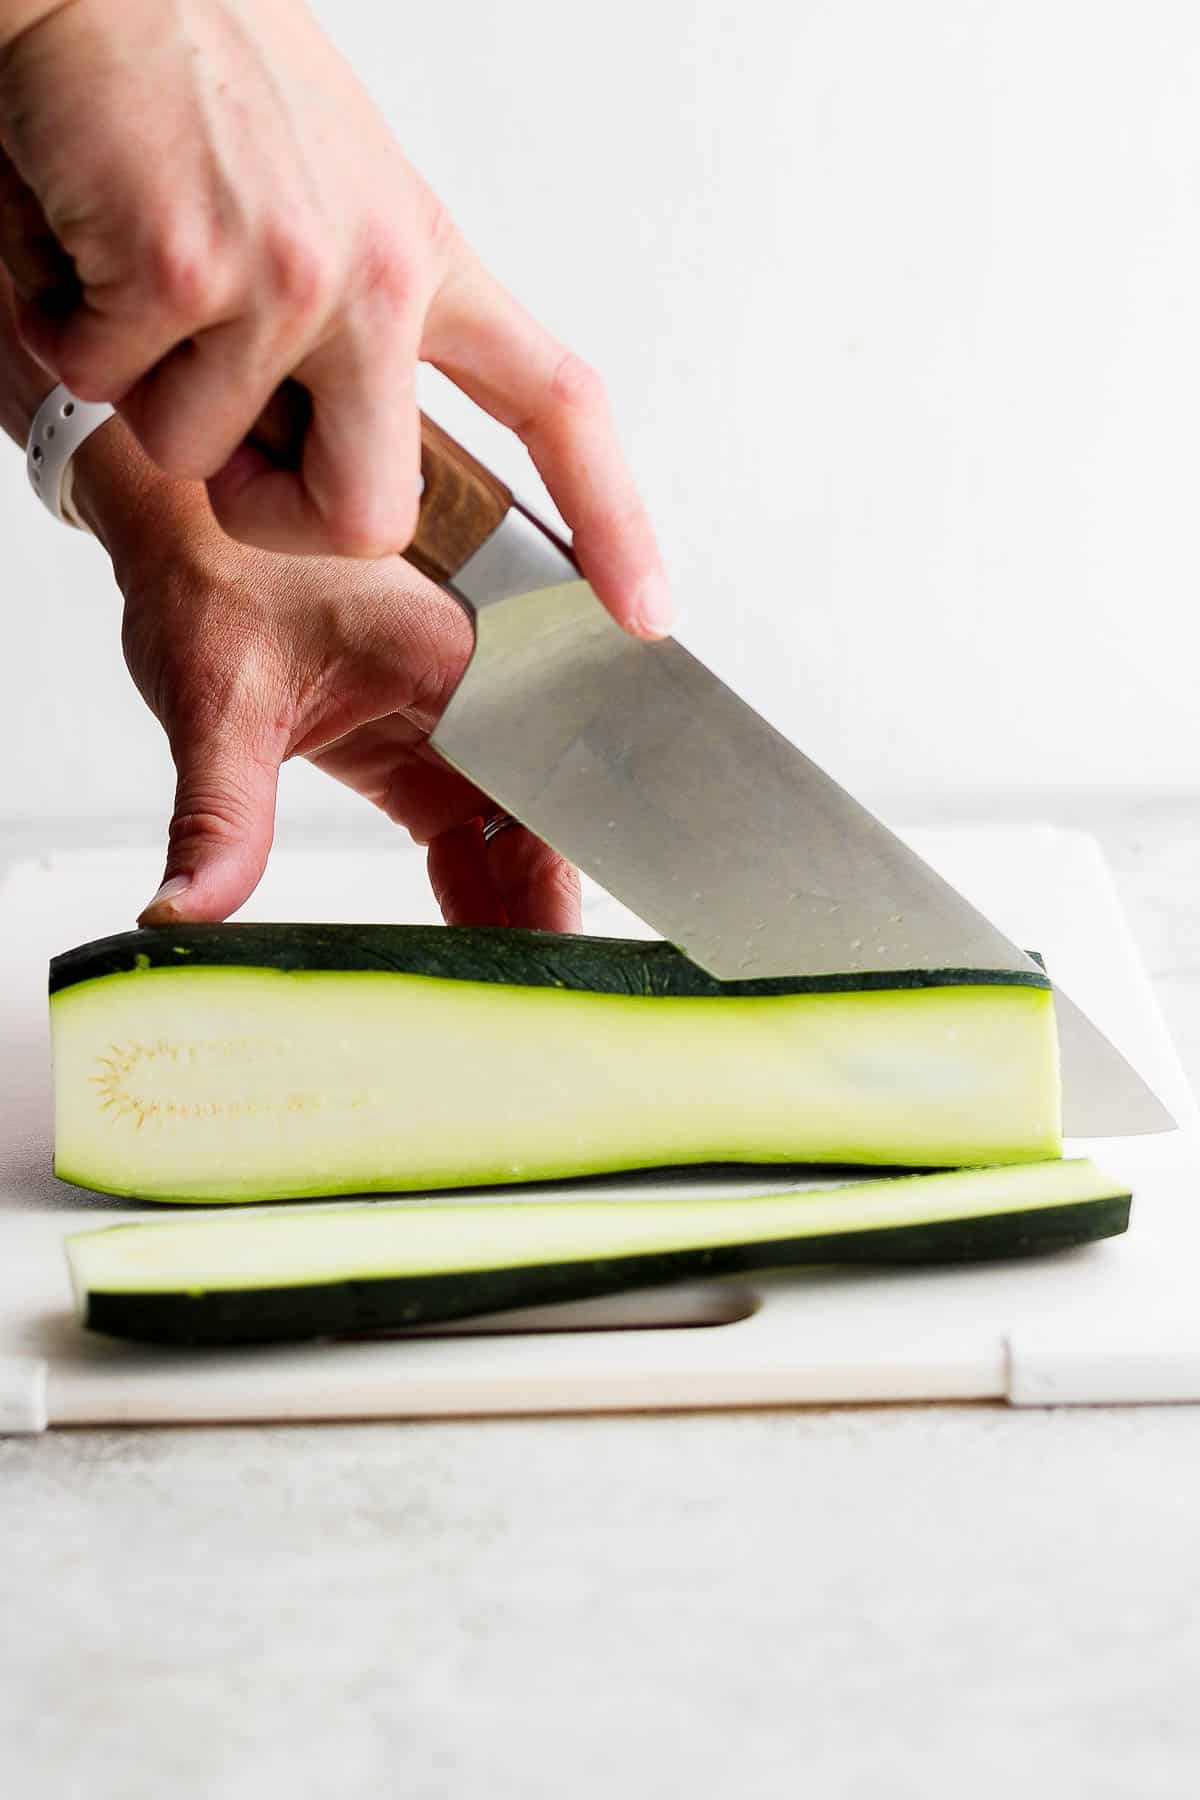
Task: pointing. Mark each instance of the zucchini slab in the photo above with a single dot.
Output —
(255, 1276)
(254, 1062)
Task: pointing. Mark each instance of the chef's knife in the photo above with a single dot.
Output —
(634, 761)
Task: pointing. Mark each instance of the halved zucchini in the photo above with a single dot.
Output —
(251, 1062)
(255, 1276)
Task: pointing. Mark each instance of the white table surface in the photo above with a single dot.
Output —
(868, 1602)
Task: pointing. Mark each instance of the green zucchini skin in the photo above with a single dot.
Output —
(500, 954)
(265, 1315)
(262, 1276)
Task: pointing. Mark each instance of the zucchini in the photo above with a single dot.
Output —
(252, 1062)
(255, 1276)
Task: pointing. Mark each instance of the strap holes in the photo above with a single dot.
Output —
(49, 431)
(36, 453)
(68, 409)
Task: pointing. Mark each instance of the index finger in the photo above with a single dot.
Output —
(490, 346)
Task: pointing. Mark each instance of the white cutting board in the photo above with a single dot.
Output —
(1115, 1321)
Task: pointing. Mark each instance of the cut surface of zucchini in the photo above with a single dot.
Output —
(240, 1063)
(270, 1274)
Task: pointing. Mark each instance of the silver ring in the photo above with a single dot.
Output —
(495, 823)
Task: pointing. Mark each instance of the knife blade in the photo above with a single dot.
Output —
(635, 762)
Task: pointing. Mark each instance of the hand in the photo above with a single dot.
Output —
(199, 200)
(249, 658)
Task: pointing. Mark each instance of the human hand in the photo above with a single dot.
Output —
(248, 658)
(198, 201)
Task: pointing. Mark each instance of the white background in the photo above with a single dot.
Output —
(899, 305)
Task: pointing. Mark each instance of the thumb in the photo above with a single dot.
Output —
(221, 829)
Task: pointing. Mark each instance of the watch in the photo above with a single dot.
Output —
(62, 422)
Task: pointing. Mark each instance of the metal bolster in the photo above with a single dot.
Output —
(521, 555)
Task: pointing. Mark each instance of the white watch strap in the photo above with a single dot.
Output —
(61, 424)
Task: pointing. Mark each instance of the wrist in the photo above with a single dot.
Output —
(140, 516)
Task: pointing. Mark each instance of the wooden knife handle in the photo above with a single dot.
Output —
(462, 502)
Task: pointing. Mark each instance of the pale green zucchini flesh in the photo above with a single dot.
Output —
(270, 1274)
(235, 1063)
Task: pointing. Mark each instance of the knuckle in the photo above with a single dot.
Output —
(388, 272)
(554, 874)
(208, 816)
(299, 274)
(602, 524)
(576, 386)
(181, 272)
(444, 239)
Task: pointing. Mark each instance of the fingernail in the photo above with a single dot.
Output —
(654, 610)
(169, 891)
